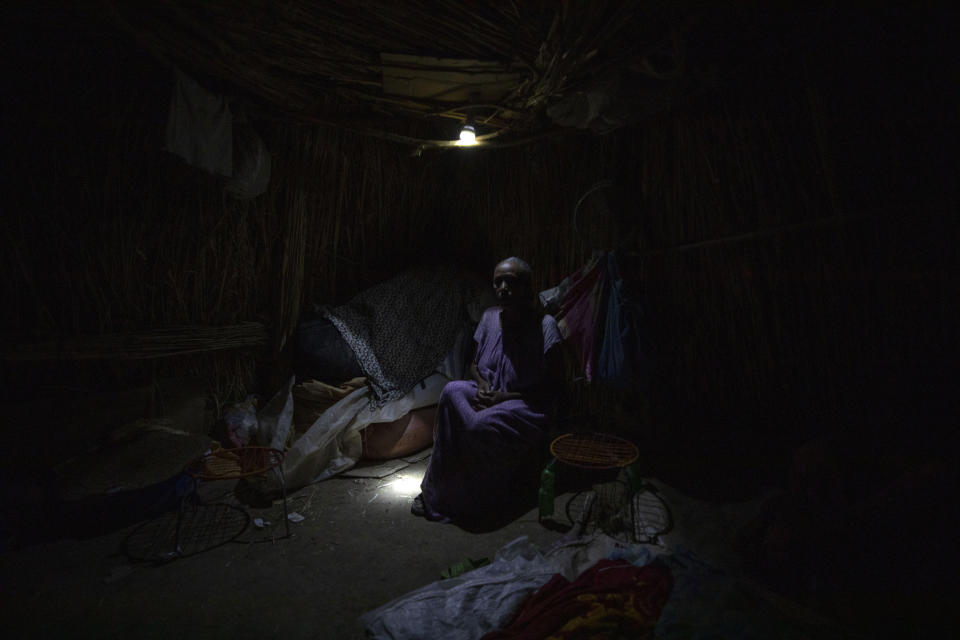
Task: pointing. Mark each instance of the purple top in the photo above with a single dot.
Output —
(485, 458)
(511, 358)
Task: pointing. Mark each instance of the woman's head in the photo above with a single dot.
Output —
(512, 282)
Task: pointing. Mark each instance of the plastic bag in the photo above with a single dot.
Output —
(242, 423)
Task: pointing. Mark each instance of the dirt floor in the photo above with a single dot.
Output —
(356, 548)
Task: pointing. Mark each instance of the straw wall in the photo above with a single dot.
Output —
(776, 288)
(790, 247)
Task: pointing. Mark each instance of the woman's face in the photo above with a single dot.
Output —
(509, 284)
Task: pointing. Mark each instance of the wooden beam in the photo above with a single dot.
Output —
(139, 345)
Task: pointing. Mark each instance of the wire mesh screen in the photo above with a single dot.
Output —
(191, 530)
(640, 516)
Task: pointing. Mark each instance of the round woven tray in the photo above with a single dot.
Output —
(231, 464)
(594, 450)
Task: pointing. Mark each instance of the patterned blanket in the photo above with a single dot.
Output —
(401, 329)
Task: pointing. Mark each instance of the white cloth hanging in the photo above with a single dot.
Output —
(200, 126)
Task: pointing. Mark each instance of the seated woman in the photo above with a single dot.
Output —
(490, 432)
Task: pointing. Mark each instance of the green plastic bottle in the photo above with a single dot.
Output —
(548, 483)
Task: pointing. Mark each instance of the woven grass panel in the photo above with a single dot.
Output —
(755, 264)
(302, 58)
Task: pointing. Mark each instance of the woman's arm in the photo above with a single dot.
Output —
(482, 385)
(485, 396)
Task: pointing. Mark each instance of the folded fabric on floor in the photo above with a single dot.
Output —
(332, 444)
(488, 598)
(611, 599)
(704, 601)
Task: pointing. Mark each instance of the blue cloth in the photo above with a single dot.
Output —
(601, 323)
(622, 357)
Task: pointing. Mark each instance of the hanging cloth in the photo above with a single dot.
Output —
(623, 355)
(200, 126)
(602, 325)
(579, 307)
(612, 363)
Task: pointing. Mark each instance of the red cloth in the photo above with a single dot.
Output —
(613, 598)
(580, 310)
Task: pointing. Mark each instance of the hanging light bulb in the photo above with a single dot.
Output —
(468, 134)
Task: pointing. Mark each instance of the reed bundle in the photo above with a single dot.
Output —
(297, 56)
(142, 345)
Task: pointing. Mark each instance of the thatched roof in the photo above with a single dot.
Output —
(412, 71)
